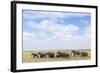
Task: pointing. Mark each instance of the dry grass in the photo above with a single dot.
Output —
(28, 59)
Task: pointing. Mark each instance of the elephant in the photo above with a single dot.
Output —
(84, 54)
(50, 54)
(75, 53)
(34, 55)
(42, 55)
(62, 55)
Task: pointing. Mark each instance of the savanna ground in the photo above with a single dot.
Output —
(27, 58)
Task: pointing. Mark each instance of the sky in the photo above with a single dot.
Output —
(50, 30)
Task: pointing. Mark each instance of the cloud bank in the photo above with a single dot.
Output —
(50, 33)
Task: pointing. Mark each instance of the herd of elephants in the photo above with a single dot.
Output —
(60, 54)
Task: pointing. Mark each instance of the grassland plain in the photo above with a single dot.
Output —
(27, 58)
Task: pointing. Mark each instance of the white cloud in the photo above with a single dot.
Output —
(58, 30)
(88, 29)
(64, 36)
(40, 35)
(52, 15)
(85, 22)
(29, 36)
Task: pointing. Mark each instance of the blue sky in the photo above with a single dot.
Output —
(46, 30)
